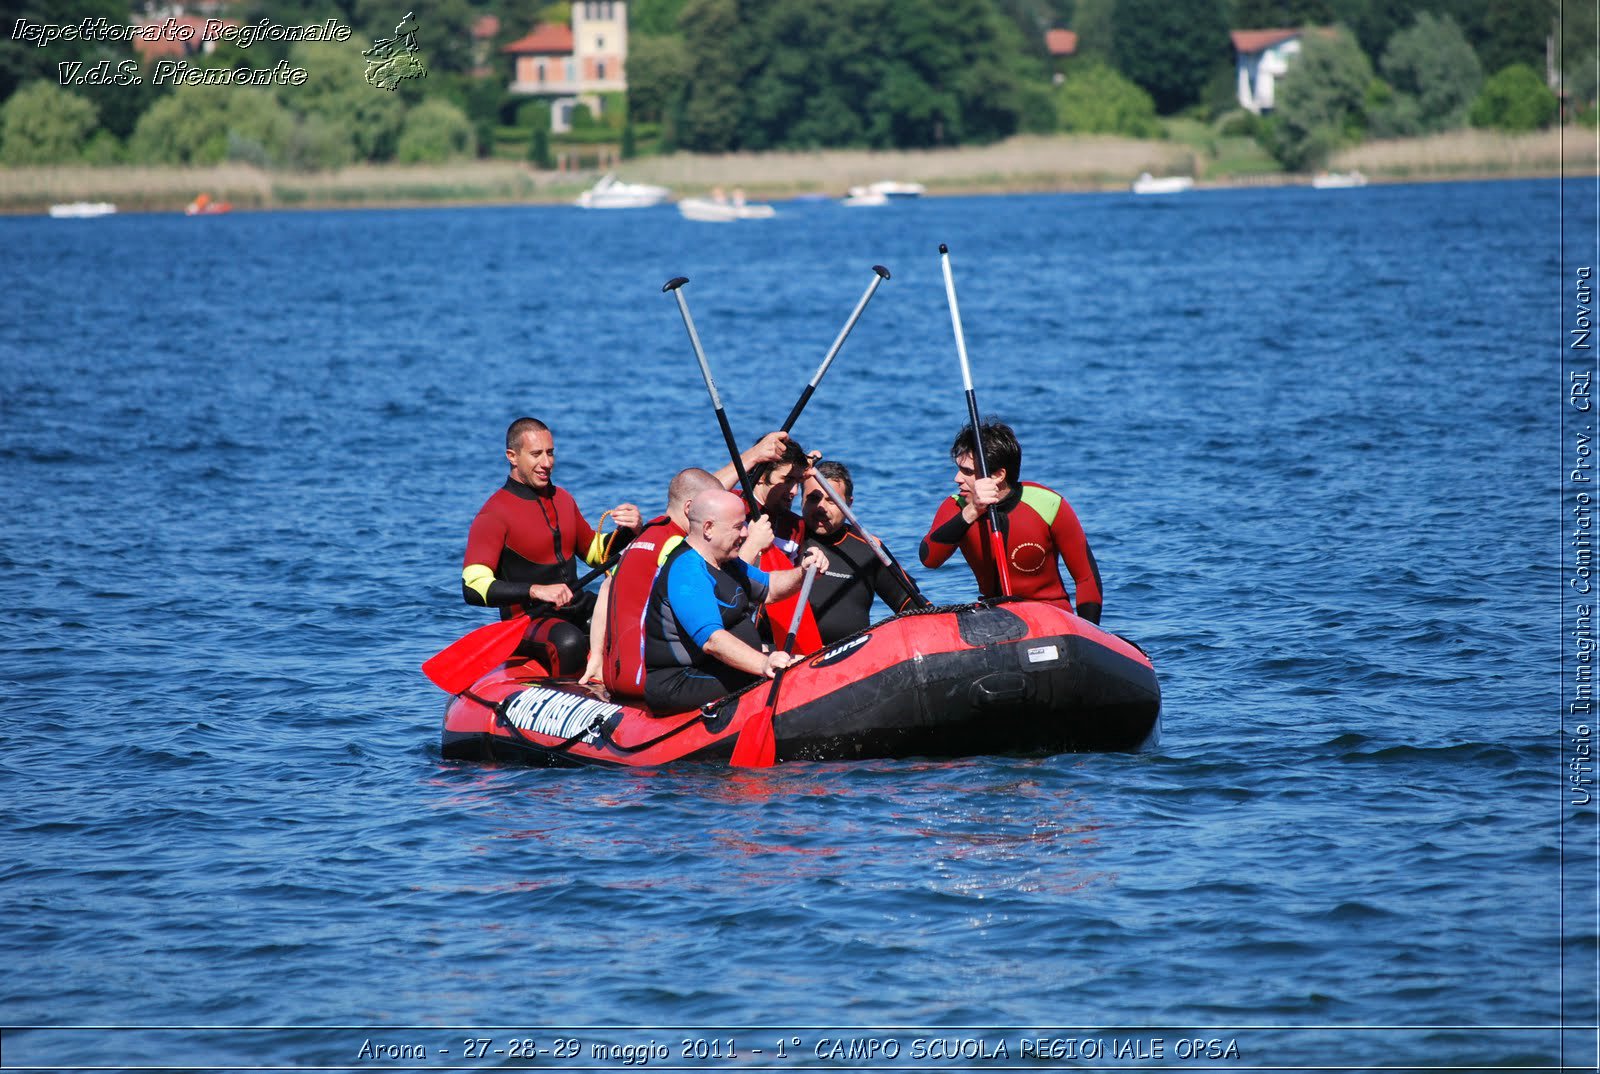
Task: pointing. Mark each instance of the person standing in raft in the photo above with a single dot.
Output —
(700, 636)
(842, 594)
(523, 548)
(1036, 523)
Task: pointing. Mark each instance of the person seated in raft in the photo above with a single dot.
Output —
(841, 595)
(774, 493)
(616, 633)
(522, 552)
(700, 635)
(1037, 526)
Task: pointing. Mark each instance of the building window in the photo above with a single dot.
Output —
(539, 68)
(600, 70)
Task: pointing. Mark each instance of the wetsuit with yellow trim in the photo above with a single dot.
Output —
(841, 595)
(525, 536)
(1038, 527)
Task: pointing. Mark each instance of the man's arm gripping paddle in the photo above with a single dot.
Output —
(997, 543)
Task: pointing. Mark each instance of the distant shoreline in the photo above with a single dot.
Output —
(1026, 164)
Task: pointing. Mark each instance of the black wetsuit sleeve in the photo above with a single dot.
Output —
(893, 586)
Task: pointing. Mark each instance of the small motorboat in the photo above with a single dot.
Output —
(1165, 184)
(1006, 676)
(1337, 180)
(890, 188)
(612, 193)
(864, 197)
(82, 210)
(202, 205)
(720, 209)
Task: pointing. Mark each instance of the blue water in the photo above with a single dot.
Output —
(1317, 441)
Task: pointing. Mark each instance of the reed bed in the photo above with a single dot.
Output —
(1464, 153)
(1026, 163)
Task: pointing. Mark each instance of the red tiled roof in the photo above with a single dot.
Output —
(163, 48)
(1061, 42)
(547, 37)
(1259, 40)
(486, 26)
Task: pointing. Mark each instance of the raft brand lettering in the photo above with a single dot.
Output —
(839, 652)
(557, 714)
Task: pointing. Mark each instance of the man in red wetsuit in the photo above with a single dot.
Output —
(523, 550)
(1037, 524)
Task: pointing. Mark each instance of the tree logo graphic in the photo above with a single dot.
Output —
(392, 60)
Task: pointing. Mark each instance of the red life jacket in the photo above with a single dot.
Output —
(622, 654)
(788, 532)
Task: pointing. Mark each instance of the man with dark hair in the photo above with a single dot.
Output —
(841, 595)
(523, 549)
(700, 637)
(774, 492)
(1037, 526)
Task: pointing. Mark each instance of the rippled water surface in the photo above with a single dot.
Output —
(1315, 438)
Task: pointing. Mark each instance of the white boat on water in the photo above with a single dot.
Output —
(77, 210)
(1337, 180)
(720, 209)
(889, 188)
(612, 193)
(1166, 184)
(864, 196)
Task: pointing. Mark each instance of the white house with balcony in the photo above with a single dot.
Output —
(1263, 58)
(574, 64)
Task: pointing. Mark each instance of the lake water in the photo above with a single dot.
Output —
(1320, 441)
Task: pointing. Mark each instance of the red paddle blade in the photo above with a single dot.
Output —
(468, 658)
(757, 747)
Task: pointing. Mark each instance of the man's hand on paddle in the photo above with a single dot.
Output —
(558, 595)
(985, 494)
(757, 539)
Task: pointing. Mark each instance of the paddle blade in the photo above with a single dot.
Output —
(468, 658)
(757, 746)
(806, 638)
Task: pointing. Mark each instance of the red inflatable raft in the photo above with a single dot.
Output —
(1003, 677)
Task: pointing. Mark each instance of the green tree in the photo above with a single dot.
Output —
(1514, 31)
(659, 68)
(1321, 101)
(44, 124)
(1515, 99)
(1432, 65)
(655, 18)
(435, 131)
(337, 91)
(1094, 99)
(1170, 49)
(1280, 14)
(1092, 23)
(209, 124)
(716, 39)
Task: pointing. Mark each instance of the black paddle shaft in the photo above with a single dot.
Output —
(675, 285)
